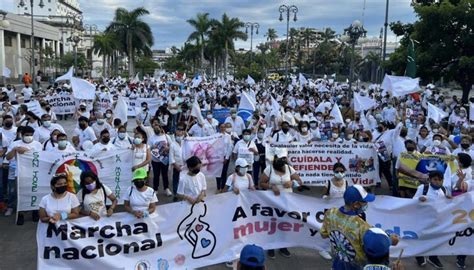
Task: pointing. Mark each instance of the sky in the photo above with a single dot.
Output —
(168, 17)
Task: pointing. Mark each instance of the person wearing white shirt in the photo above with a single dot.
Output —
(389, 114)
(284, 134)
(122, 141)
(94, 197)
(100, 124)
(237, 122)
(240, 180)
(62, 145)
(83, 133)
(144, 116)
(229, 143)
(43, 132)
(464, 147)
(103, 146)
(303, 136)
(140, 200)
(176, 157)
(27, 92)
(210, 125)
(192, 183)
(246, 148)
(173, 106)
(10, 90)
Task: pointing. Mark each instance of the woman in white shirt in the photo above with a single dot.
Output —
(240, 180)
(192, 184)
(94, 197)
(141, 151)
(139, 199)
(60, 204)
(303, 135)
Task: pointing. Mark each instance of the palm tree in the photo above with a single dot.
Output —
(134, 33)
(271, 35)
(328, 34)
(104, 45)
(201, 25)
(226, 32)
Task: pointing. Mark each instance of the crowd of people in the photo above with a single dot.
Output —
(286, 113)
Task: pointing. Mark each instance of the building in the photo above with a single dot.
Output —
(375, 45)
(160, 56)
(51, 8)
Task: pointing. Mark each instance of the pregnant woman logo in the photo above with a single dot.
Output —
(197, 232)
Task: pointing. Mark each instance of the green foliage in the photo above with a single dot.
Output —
(146, 65)
(254, 70)
(67, 61)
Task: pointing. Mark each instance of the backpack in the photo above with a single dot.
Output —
(427, 186)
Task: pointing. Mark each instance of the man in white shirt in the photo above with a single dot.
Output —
(43, 133)
(229, 143)
(144, 116)
(246, 148)
(100, 124)
(192, 183)
(389, 115)
(176, 157)
(464, 147)
(284, 134)
(63, 145)
(237, 122)
(83, 133)
(27, 92)
(173, 106)
(122, 141)
(210, 125)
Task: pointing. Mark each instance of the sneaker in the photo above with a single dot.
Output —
(20, 220)
(325, 255)
(421, 261)
(461, 263)
(285, 253)
(271, 254)
(9, 212)
(168, 192)
(435, 262)
(229, 264)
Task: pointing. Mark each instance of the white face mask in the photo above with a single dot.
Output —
(335, 135)
(436, 142)
(28, 139)
(304, 129)
(242, 170)
(228, 130)
(350, 136)
(47, 124)
(339, 175)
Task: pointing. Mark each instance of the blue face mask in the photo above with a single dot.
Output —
(435, 187)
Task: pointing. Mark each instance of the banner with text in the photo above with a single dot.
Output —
(182, 236)
(36, 169)
(314, 162)
(62, 104)
(134, 105)
(211, 151)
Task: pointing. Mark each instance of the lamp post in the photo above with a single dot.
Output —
(288, 10)
(251, 25)
(74, 40)
(384, 50)
(32, 60)
(354, 32)
(92, 29)
(4, 23)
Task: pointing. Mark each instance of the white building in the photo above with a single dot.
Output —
(51, 7)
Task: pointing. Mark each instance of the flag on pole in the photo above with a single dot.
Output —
(275, 108)
(336, 113)
(67, 76)
(196, 112)
(250, 80)
(400, 85)
(82, 89)
(6, 72)
(363, 103)
(302, 80)
(196, 81)
(121, 109)
(436, 113)
(246, 106)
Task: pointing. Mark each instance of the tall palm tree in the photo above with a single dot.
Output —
(104, 45)
(271, 35)
(227, 31)
(133, 32)
(201, 25)
(328, 34)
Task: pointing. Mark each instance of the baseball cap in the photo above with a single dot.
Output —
(240, 162)
(376, 242)
(357, 193)
(252, 255)
(139, 173)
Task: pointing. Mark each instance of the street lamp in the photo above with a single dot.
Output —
(288, 9)
(74, 40)
(354, 32)
(92, 29)
(32, 60)
(251, 25)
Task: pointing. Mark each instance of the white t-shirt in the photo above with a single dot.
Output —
(139, 155)
(241, 182)
(242, 150)
(33, 146)
(95, 201)
(140, 201)
(432, 193)
(56, 206)
(279, 180)
(191, 185)
(100, 148)
(85, 135)
(27, 93)
(335, 191)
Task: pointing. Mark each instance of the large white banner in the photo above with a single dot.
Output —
(62, 104)
(36, 169)
(211, 151)
(314, 162)
(134, 105)
(181, 236)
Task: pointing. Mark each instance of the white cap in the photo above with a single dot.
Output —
(240, 162)
(281, 152)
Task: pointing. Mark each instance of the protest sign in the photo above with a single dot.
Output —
(211, 151)
(62, 104)
(219, 114)
(314, 162)
(412, 164)
(105, 101)
(184, 236)
(36, 169)
(33, 106)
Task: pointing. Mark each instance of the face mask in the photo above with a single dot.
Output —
(195, 171)
(47, 124)
(60, 190)
(144, 109)
(62, 144)
(362, 209)
(304, 129)
(122, 135)
(82, 126)
(350, 136)
(233, 115)
(285, 129)
(242, 171)
(139, 184)
(435, 131)
(108, 115)
(106, 140)
(137, 141)
(365, 139)
(465, 145)
(100, 121)
(462, 114)
(8, 124)
(435, 187)
(246, 138)
(379, 129)
(91, 186)
(335, 135)
(436, 142)
(339, 175)
(313, 125)
(260, 135)
(179, 139)
(228, 130)
(209, 116)
(28, 139)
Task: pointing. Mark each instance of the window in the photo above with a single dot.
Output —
(23, 42)
(8, 40)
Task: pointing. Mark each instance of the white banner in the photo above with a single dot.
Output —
(62, 104)
(134, 105)
(105, 101)
(36, 169)
(181, 236)
(211, 151)
(314, 162)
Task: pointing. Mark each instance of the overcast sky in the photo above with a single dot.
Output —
(168, 17)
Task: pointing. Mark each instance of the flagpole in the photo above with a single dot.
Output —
(384, 54)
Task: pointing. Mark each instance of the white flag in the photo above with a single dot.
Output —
(82, 89)
(400, 86)
(196, 81)
(196, 112)
(302, 79)
(121, 109)
(6, 72)
(250, 80)
(336, 113)
(67, 76)
(436, 113)
(363, 103)
(136, 79)
(275, 108)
